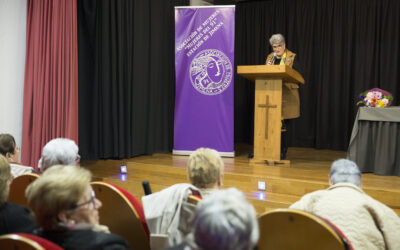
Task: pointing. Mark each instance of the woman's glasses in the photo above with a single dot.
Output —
(91, 200)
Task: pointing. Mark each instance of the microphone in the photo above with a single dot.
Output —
(271, 62)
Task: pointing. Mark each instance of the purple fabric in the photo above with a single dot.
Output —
(204, 67)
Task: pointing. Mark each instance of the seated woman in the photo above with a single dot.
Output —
(8, 148)
(13, 218)
(67, 210)
(59, 151)
(205, 170)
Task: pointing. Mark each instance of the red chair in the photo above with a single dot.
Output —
(123, 214)
(26, 242)
(295, 229)
(18, 186)
(194, 199)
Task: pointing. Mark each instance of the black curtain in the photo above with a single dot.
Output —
(126, 77)
(126, 68)
(344, 46)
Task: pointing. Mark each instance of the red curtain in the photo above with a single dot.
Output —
(51, 76)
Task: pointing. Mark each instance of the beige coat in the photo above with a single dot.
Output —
(168, 215)
(366, 222)
(290, 91)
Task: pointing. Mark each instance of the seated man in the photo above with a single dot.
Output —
(205, 170)
(9, 149)
(13, 218)
(223, 220)
(59, 151)
(366, 222)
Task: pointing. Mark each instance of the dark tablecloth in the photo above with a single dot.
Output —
(375, 140)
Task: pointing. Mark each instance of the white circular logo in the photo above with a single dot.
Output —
(211, 72)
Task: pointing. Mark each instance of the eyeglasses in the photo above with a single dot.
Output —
(91, 200)
(277, 46)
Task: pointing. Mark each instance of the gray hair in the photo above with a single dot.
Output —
(344, 170)
(225, 220)
(59, 151)
(277, 38)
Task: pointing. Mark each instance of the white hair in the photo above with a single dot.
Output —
(344, 170)
(59, 151)
(225, 220)
(277, 38)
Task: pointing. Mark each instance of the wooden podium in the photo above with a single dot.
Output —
(268, 108)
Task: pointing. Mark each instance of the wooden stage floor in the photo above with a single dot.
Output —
(308, 171)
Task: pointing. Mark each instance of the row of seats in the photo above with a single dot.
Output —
(124, 215)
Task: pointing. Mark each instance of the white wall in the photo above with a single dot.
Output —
(12, 65)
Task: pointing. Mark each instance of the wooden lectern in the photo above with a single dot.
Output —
(268, 108)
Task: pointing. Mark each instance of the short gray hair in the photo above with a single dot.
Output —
(59, 151)
(225, 220)
(343, 170)
(277, 38)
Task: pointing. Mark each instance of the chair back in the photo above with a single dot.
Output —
(26, 242)
(123, 214)
(194, 199)
(18, 186)
(294, 229)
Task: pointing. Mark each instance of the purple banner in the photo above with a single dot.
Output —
(204, 67)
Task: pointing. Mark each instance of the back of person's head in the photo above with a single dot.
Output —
(205, 168)
(59, 151)
(345, 171)
(58, 189)
(5, 179)
(225, 220)
(7, 144)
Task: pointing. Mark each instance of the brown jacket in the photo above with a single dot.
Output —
(290, 91)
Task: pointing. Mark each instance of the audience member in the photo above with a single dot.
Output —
(8, 148)
(67, 210)
(168, 214)
(59, 151)
(223, 220)
(205, 170)
(366, 222)
(13, 218)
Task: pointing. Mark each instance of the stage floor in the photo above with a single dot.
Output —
(285, 184)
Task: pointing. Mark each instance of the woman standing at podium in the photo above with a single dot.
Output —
(290, 91)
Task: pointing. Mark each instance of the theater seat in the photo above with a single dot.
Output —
(294, 229)
(18, 186)
(122, 213)
(26, 242)
(194, 199)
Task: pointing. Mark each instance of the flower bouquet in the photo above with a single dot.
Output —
(375, 98)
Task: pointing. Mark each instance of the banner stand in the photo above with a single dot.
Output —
(204, 68)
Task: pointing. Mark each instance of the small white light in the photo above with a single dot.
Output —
(261, 185)
(123, 169)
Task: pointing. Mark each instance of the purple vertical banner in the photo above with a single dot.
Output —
(204, 67)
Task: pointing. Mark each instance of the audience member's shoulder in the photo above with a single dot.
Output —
(308, 200)
(9, 207)
(16, 219)
(97, 240)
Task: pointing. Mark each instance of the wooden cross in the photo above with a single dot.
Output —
(267, 106)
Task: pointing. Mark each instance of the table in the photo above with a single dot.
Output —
(375, 140)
